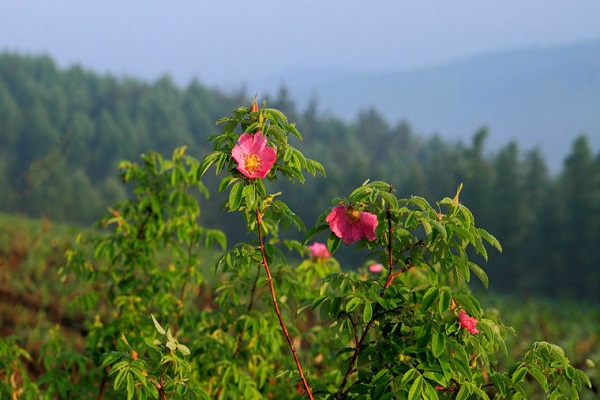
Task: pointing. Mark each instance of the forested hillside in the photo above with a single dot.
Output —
(538, 96)
(63, 132)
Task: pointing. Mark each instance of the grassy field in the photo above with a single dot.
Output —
(34, 301)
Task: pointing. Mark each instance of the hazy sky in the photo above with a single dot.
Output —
(225, 42)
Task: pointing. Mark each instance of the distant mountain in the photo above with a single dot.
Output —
(539, 96)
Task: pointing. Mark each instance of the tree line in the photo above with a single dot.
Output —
(63, 132)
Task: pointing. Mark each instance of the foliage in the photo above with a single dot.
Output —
(270, 321)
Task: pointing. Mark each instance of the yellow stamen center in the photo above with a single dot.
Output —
(353, 215)
(252, 163)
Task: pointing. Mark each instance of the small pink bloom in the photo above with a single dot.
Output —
(467, 322)
(253, 156)
(319, 250)
(351, 225)
(376, 268)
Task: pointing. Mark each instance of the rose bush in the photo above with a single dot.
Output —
(276, 317)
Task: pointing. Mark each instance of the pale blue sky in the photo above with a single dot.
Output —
(226, 42)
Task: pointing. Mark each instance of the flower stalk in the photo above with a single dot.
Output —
(265, 263)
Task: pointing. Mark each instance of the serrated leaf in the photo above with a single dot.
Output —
(235, 196)
(479, 273)
(488, 237)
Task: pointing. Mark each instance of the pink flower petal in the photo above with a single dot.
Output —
(253, 156)
(319, 250)
(351, 226)
(467, 322)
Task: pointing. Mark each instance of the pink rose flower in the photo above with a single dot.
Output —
(351, 225)
(467, 322)
(253, 156)
(319, 250)
(376, 268)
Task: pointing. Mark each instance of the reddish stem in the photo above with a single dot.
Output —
(276, 306)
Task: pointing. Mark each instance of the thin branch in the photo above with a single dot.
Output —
(340, 393)
(276, 306)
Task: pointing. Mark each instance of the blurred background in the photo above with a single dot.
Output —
(502, 96)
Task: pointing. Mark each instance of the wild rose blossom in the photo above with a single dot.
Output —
(376, 268)
(467, 322)
(351, 225)
(319, 250)
(253, 156)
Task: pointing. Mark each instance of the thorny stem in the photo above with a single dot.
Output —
(274, 298)
(340, 393)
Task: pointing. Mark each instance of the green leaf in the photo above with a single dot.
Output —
(249, 193)
(415, 389)
(228, 180)
(438, 344)
(130, 387)
(479, 273)
(352, 304)
(206, 163)
(235, 196)
(469, 303)
(440, 228)
(367, 312)
(428, 298)
(490, 239)
(498, 381)
(159, 328)
(463, 393)
(539, 376)
(408, 376)
(183, 349)
(430, 393)
(519, 375)
(444, 302)
(333, 242)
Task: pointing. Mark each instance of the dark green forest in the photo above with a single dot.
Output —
(64, 131)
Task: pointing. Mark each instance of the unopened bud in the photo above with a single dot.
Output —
(254, 107)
